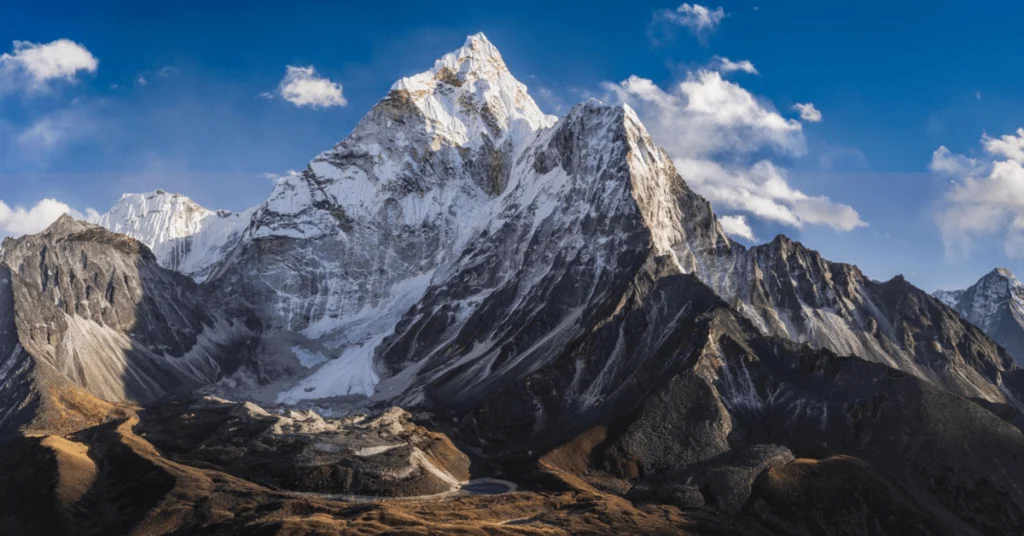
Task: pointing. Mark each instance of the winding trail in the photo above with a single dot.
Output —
(479, 486)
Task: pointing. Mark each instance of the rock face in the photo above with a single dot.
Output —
(790, 291)
(91, 311)
(183, 236)
(383, 456)
(996, 305)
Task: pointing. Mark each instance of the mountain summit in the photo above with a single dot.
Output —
(470, 98)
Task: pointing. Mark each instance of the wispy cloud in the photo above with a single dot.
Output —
(699, 19)
(725, 65)
(808, 112)
(54, 132)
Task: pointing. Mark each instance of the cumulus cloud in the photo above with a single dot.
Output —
(17, 221)
(725, 65)
(985, 198)
(34, 67)
(719, 136)
(706, 114)
(700, 20)
(302, 86)
(808, 112)
(737, 226)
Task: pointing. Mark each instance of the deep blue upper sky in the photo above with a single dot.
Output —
(894, 83)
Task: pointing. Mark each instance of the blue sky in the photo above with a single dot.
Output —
(893, 85)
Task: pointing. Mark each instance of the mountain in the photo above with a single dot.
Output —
(996, 305)
(340, 251)
(426, 213)
(89, 313)
(184, 236)
(547, 300)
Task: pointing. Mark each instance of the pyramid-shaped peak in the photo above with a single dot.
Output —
(470, 94)
(479, 47)
(477, 59)
(1002, 272)
(999, 276)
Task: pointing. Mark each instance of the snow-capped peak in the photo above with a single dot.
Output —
(183, 235)
(477, 59)
(470, 93)
(158, 215)
(437, 146)
(948, 297)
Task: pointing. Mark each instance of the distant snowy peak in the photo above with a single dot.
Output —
(996, 305)
(948, 297)
(183, 235)
(982, 303)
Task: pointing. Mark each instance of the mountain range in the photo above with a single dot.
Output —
(549, 304)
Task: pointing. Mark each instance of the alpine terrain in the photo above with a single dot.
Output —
(470, 317)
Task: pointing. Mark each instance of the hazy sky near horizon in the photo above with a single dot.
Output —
(881, 135)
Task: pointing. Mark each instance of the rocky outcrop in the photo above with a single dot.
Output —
(381, 456)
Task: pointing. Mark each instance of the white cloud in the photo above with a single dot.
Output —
(719, 136)
(985, 196)
(141, 80)
(279, 177)
(725, 65)
(34, 66)
(19, 221)
(301, 86)
(808, 112)
(737, 226)
(706, 114)
(166, 72)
